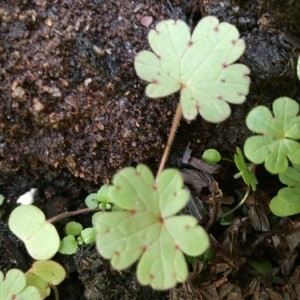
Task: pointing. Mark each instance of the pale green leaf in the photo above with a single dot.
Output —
(147, 229)
(291, 177)
(276, 143)
(44, 273)
(49, 271)
(73, 228)
(200, 66)
(89, 235)
(286, 203)
(13, 286)
(28, 223)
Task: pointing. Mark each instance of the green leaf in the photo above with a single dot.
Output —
(44, 273)
(91, 201)
(73, 228)
(102, 194)
(287, 201)
(41, 239)
(68, 245)
(247, 173)
(199, 66)
(211, 156)
(13, 287)
(291, 177)
(89, 235)
(262, 266)
(147, 229)
(48, 270)
(276, 143)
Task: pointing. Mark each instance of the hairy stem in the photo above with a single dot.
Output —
(172, 134)
(71, 213)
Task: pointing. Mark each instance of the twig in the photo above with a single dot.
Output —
(71, 213)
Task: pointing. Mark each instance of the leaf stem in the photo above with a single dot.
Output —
(172, 134)
(239, 204)
(71, 213)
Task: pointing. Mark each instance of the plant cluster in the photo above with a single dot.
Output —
(34, 284)
(136, 217)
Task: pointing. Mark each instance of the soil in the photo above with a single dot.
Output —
(73, 112)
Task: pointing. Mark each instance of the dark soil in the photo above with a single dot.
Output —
(73, 112)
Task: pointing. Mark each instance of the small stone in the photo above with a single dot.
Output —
(147, 21)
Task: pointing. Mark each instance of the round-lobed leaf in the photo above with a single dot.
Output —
(276, 143)
(73, 228)
(198, 65)
(147, 229)
(89, 235)
(41, 239)
(68, 245)
(211, 156)
(287, 202)
(44, 273)
(13, 287)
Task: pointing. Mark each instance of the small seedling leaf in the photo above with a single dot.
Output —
(73, 228)
(1, 199)
(68, 245)
(147, 229)
(89, 235)
(199, 66)
(13, 287)
(41, 239)
(247, 173)
(276, 142)
(211, 156)
(44, 273)
(91, 201)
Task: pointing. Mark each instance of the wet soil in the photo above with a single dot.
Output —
(73, 112)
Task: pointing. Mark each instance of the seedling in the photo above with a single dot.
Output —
(43, 275)
(211, 156)
(76, 236)
(147, 229)
(246, 171)
(99, 199)
(248, 175)
(28, 223)
(278, 132)
(13, 287)
(287, 201)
